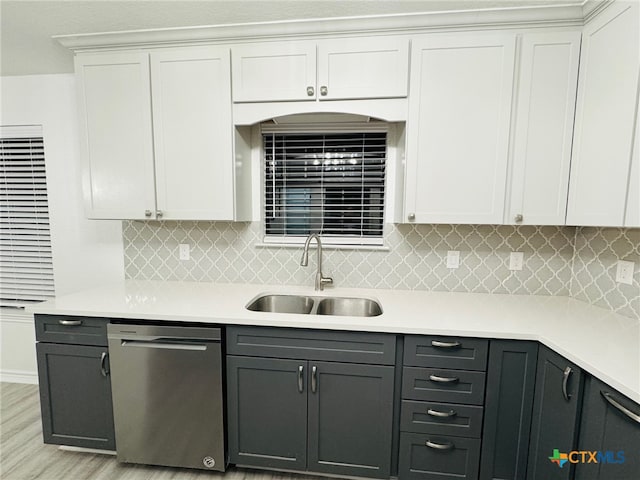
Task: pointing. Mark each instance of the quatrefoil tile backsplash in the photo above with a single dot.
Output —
(568, 261)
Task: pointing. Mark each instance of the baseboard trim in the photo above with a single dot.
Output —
(17, 376)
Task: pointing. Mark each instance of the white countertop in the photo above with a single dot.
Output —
(603, 343)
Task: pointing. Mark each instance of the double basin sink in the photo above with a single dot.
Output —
(302, 304)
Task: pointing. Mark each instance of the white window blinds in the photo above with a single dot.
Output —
(26, 270)
(328, 183)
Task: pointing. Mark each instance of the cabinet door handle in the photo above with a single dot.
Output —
(310, 91)
(436, 413)
(439, 446)
(314, 379)
(103, 364)
(437, 344)
(565, 380)
(147, 213)
(438, 379)
(159, 214)
(324, 91)
(300, 378)
(70, 323)
(609, 398)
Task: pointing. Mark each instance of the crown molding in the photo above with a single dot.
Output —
(592, 8)
(558, 15)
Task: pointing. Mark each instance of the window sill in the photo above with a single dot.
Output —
(378, 248)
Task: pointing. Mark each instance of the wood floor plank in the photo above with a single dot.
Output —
(24, 456)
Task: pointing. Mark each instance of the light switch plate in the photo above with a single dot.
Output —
(516, 259)
(453, 259)
(624, 272)
(185, 251)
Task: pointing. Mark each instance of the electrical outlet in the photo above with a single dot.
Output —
(453, 259)
(516, 259)
(624, 272)
(185, 251)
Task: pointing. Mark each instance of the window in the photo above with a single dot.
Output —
(26, 270)
(332, 184)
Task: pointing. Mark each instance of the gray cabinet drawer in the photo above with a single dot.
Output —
(71, 329)
(441, 418)
(446, 352)
(350, 347)
(439, 385)
(456, 458)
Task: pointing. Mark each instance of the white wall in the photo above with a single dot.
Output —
(85, 252)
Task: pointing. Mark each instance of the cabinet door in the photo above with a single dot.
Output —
(458, 128)
(274, 71)
(116, 135)
(611, 426)
(370, 67)
(75, 395)
(605, 113)
(350, 419)
(507, 414)
(193, 133)
(632, 214)
(546, 100)
(555, 415)
(267, 412)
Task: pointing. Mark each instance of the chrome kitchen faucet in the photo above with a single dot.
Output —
(321, 281)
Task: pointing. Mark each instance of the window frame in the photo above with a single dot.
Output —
(336, 242)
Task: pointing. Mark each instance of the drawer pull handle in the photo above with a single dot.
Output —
(436, 378)
(436, 413)
(565, 380)
(439, 446)
(70, 323)
(436, 343)
(609, 398)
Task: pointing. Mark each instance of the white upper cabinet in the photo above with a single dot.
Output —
(605, 117)
(363, 68)
(117, 146)
(632, 214)
(193, 133)
(336, 69)
(158, 134)
(278, 71)
(543, 129)
(458, 127)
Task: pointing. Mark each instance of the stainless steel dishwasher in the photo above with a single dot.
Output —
(167, 395)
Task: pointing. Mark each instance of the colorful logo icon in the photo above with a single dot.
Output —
(559, 458)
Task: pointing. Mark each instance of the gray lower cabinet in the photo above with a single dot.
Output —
(307, 413)
(443, 388)
(267, 412)
(556, 410)
(511, 377)
(75, 396)
(609, 429)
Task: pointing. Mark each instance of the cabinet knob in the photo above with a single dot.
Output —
(158, 213)
(518, 218)
(411, 216)
(323, 91)
(147, 213)
(310, 91)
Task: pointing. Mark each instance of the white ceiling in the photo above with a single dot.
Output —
(26, 26)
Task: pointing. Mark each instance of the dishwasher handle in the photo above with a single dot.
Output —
(164, 345)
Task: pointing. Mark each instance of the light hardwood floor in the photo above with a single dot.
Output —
(23, 456)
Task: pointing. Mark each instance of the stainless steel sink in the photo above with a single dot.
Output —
(301, 304)
(281, 304)
(352, 307)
